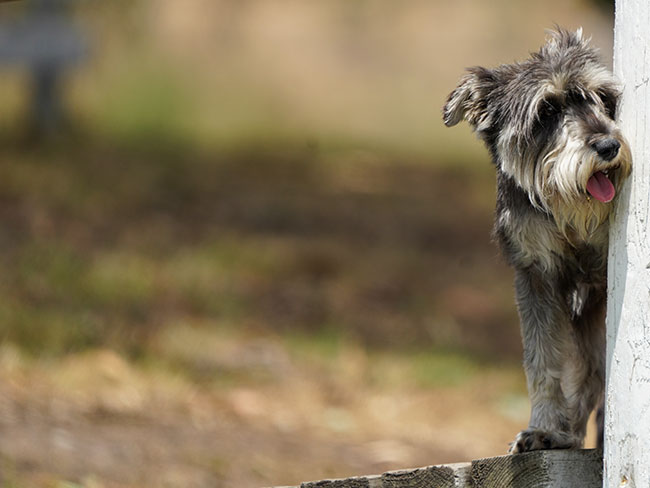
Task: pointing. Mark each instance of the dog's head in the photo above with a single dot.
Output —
(550, 123)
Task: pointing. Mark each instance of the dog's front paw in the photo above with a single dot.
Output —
(533, 440)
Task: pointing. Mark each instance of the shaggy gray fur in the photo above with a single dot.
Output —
(549, 123)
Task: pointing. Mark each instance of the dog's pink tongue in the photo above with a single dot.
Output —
(600, 187)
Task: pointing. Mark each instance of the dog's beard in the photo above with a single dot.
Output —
(555, 179)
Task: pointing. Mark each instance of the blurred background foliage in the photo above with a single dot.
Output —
(251, 253)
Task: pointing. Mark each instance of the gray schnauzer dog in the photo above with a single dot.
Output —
(549, 123)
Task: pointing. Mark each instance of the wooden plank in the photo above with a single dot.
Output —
(627, 411)
(356, 482)
(540, 469)
(445, 476)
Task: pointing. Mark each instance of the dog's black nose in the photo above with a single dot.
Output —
(607, 148)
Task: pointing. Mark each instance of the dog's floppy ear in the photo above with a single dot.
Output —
(468, 101)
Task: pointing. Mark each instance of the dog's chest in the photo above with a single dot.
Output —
(588, 264)
(531, 239)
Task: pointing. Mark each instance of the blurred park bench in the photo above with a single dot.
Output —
(46, 42)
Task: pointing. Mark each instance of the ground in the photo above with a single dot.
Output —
(94, 419)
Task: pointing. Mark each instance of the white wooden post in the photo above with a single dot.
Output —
(627, 418)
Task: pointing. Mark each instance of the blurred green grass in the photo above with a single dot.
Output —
(106, 246)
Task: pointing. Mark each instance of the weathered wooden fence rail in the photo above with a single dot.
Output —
(537, 469)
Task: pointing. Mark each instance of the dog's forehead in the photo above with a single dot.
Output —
(577, 69)
(525, 85)
(559, 75)
(558, 68)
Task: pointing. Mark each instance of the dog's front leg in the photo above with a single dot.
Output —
(546, 334)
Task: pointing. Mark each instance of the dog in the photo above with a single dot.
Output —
(549, 123)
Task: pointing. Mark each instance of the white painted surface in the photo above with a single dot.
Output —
(627, 421)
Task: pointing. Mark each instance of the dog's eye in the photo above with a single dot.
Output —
(548, 110)
(609, 101)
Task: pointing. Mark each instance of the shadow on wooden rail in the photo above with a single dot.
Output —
(538, 469)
